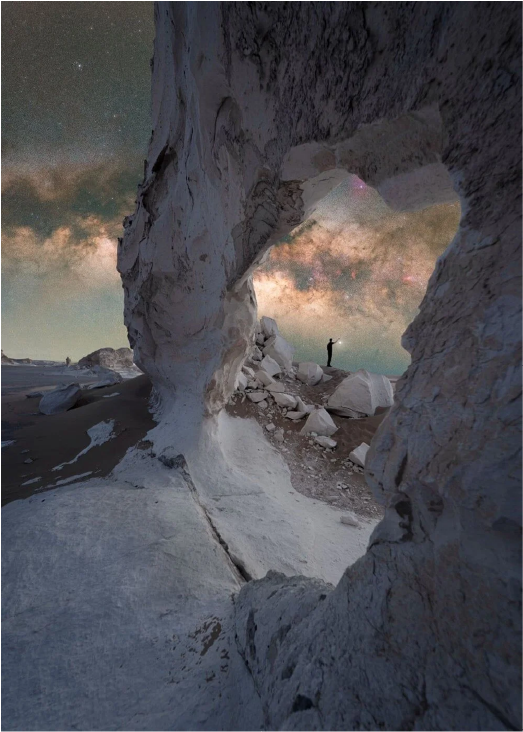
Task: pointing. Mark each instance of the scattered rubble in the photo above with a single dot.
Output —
(284, 395)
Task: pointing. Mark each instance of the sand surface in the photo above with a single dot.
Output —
(50, 440)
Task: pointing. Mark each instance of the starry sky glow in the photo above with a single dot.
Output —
(75, 128)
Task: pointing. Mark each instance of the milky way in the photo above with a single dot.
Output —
(356, 271)
(75, 124)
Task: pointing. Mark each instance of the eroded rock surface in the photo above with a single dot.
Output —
(423, 632)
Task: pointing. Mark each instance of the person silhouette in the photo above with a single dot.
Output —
(330, 344)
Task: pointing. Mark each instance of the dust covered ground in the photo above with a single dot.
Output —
(325, 475)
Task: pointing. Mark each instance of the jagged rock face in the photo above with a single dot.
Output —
(121, 358)
(258, 111)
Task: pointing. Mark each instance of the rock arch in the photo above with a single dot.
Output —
(253, 105)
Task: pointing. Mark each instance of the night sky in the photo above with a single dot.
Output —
(75, 124)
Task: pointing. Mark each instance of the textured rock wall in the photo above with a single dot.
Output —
(258, 110)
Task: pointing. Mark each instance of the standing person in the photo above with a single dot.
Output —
(330, 344)
(67, 361)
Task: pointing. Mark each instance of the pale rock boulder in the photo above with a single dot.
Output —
(60, 399)
(285, 400)
(276, 387)
(359, 455)
(263, 377)
(302, 407)
(256, 354)
(280, 350)
(270, 427)
(360, 394)
(271, 366)
(263, 404)
(260, 339)
(349, 520)
(257, 396)
(269, 327)
(295, 416)
(321, 422)
(247, 370)
(242, 381)
(325, 441)
(309, 373)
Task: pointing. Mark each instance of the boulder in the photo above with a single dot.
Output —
(248, 371)
(309, 373)
(326, 378)
(325, 441)
(320, 422)
(263, 377)
(275, 387)
(260, 339)
(296, 415)
(270, 427)
(349, 520)
(280, 350)
(278, 435)
(302, 407)
(263, 404)
(285, 400)
(360, 394)
(241, 381)
(256, 354)
(60, 399)
(121, 358)
(270, 366)
(359, 455)
(257, 396)
(269, 327)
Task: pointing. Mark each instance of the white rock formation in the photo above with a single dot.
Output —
(270, 366)
(60, 399)
(121, 358)
(269, 327)
(263, 377)
(360, 394)
(285, 400)
(359, 454)
(309, 373)
(302, 407)
(320, 422)
(280, 350)
(246, 140)
(241, 381)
